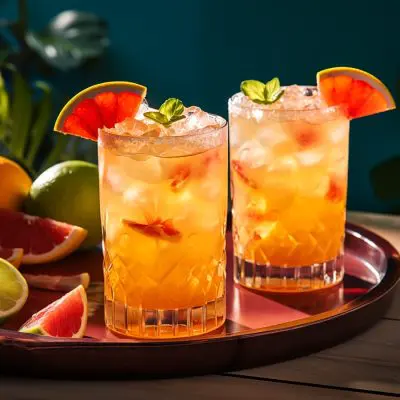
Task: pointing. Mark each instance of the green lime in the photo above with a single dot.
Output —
(69, 192)
(13, 290)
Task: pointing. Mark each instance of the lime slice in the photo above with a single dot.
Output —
(13, 290)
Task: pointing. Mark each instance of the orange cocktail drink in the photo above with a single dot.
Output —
(163, 205)
(289, 181)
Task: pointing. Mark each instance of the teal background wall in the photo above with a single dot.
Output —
(200, 51)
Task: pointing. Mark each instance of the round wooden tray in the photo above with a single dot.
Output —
(260, 329)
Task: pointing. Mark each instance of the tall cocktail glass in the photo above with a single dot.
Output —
(289, 165)
(163, 195)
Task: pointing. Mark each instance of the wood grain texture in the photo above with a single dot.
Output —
(208, 387)
(370, 361)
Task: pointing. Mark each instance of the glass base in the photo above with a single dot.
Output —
(164, 324)
(271, 278)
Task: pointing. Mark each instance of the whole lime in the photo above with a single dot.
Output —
(69, 192)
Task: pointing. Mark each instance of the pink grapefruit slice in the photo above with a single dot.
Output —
(65, 317)
(13, 256)
(359, 92)
(99, 106)
(42, 239)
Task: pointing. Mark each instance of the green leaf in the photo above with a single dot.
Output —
(55, 154)
(273, 91)
(177, 118)
(383, 179)
(277, 96)
(172, 108)
(42, 121)
(170, 111)
(157, 117)
(4, 108)
(70, 39)
(21, 113)
(254, 90)
(272, 87)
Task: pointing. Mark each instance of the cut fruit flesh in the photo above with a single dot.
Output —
(238, 167)
(359, 92)
(65, 317)
(158, 229)
(13, 290)
(42, 239)
(13, 256)
(99, 106)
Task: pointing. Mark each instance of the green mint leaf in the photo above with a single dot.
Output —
(177, 118)
(275, 97)
(157, 117)
(261, 93)
(271, 88)
(254, 90)
(172, 108)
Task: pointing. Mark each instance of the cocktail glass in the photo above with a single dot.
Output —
(289, 164)
(163, 195)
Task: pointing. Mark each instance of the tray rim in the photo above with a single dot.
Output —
(389, 281)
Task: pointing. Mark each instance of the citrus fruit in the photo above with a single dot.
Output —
(65, 317)
(99, 106)
(69, 192)
(358, 91)
(42, 239)
(13, 256)
(13, 290)
(14, 184)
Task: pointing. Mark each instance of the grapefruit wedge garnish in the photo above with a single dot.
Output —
(13, 256)
(66, 317)
(359, 92)
(99, 106)
(42, 239)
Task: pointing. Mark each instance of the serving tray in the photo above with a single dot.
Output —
(260, 328)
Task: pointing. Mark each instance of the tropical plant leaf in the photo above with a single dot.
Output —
(41, 122)
(384, 179)
(56, 152)
(4, 108)
(20, 113)
(71, 38)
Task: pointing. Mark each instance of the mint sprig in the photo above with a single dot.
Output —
(262, 93)
(170, 111)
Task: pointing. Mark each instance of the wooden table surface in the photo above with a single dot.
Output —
(366, 367)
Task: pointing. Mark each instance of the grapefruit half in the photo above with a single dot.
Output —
(42, 239)
(99, 106)
(13, 256)
(65, 317)
(359, 92)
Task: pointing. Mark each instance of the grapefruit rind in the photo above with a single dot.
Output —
(39, 330)
(72, 243)
(358, 75)
(91, 91)
(20, 230)
(15, 258)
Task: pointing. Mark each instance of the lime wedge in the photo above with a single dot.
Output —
(13, 290)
